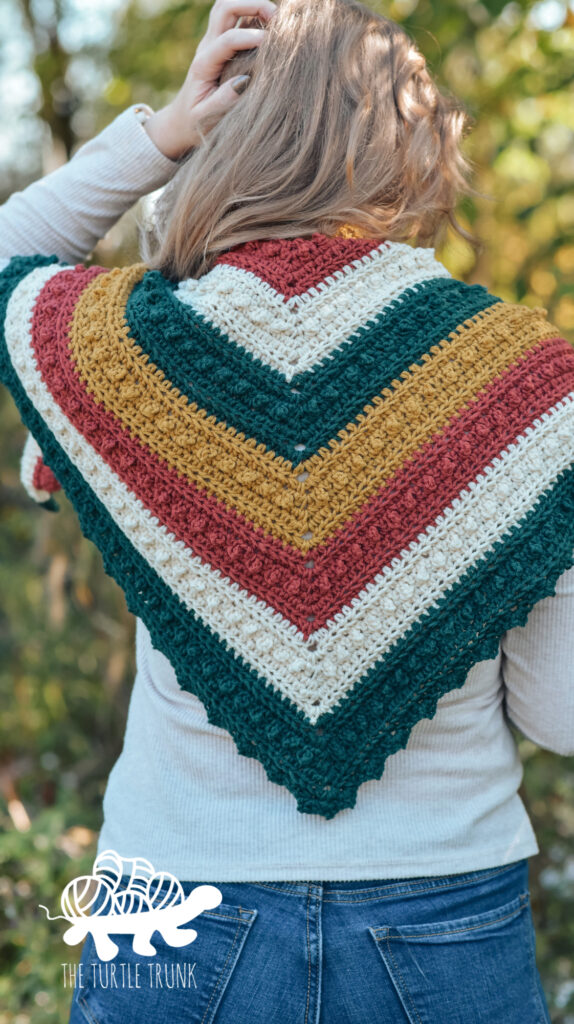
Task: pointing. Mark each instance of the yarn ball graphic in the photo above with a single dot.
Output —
(128, 896)
(100, 892)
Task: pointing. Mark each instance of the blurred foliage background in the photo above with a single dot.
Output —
(66, 639)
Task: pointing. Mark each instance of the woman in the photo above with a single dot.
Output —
(336, 486)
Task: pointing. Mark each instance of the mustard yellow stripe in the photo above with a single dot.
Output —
(412, 409)
(238, 470)
(224, 462)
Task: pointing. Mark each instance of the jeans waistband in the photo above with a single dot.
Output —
(345, 891)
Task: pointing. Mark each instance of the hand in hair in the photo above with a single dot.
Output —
(175, 129)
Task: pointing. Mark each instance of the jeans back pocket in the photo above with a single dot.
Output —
(478, 969)
(181, 985)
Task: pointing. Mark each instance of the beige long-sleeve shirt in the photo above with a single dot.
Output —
(181, 795)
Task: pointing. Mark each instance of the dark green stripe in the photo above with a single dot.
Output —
(229, 382)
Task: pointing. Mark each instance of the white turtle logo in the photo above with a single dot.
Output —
(152, 901)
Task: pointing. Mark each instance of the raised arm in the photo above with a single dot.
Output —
(538, 670)
(68, 211)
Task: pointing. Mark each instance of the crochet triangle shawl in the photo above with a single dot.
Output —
(327, 475)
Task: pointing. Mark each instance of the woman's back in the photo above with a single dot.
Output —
(328, 476)
(337, 488)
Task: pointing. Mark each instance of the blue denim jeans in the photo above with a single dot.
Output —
(452, 949)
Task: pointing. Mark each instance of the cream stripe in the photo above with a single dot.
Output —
(361, 634)
(467, 530)
(295, 335)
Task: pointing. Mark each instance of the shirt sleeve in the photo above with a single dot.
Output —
(68, 211)
(538, 670)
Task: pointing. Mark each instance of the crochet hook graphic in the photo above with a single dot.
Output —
(152, 901)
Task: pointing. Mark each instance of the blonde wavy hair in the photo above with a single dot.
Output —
(340, 124)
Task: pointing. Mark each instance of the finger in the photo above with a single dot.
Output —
(213, 107)
(209, 63)
(224, 13)
(225, 97)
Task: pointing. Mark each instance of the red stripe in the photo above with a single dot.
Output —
(376, 534)
(294, 265)
(43, 479)
(429, 482)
